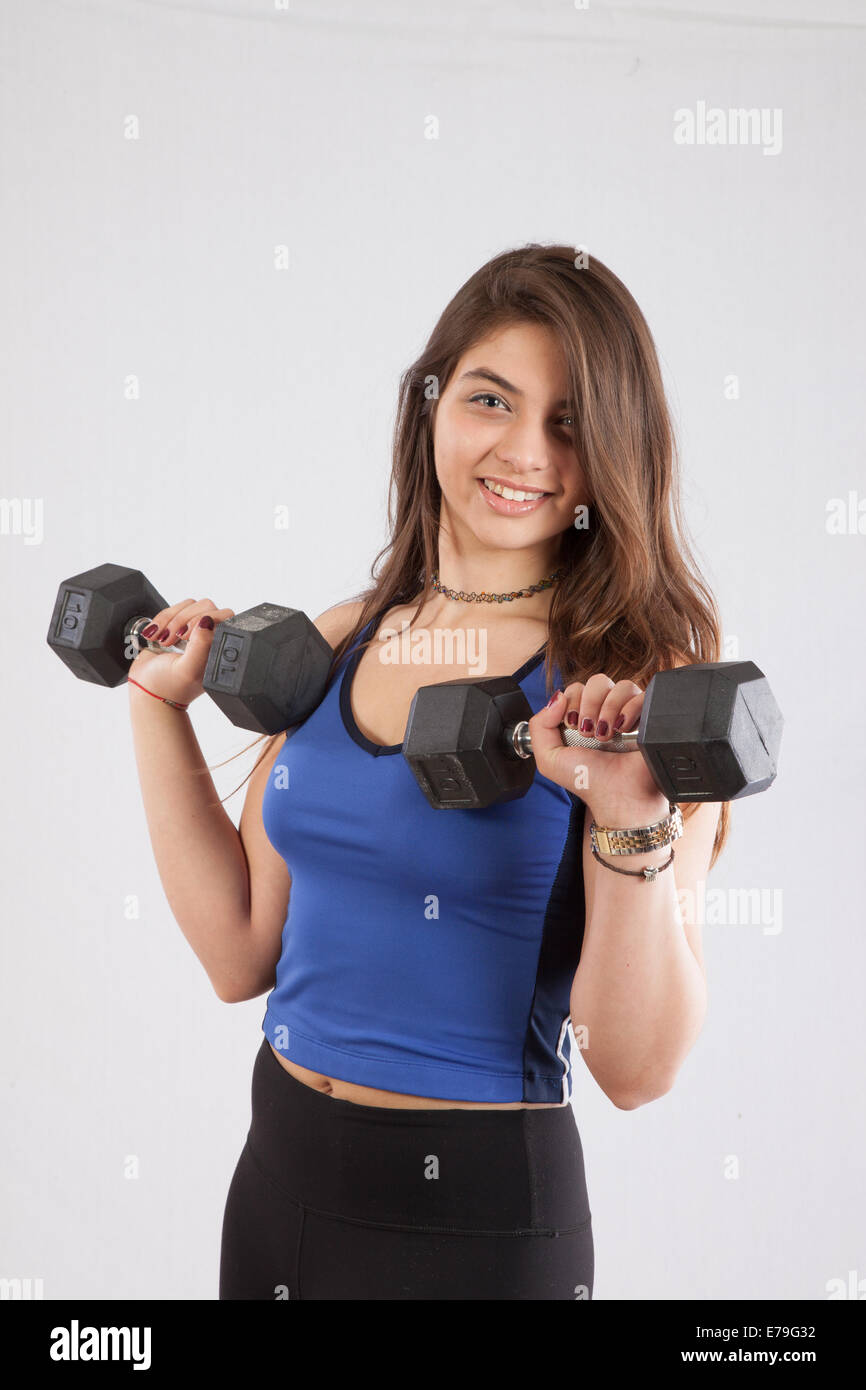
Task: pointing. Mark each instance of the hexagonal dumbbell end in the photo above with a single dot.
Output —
(92, 612)
(267, 667)
(711, 732)
(456, 747)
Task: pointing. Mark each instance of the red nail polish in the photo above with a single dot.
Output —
(602, 727)
(206, 622)
(162, 636)
(586, 726)
(182, 630)
(572, 717)
(619, 721)
(149, 630)
(554, 697)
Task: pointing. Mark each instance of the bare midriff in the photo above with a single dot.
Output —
(369, 1095)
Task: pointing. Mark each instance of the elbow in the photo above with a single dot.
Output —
(631, 1098)
(226, 996)
(238, 992)
(229, 993)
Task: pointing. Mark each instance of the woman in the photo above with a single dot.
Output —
(411, 1134)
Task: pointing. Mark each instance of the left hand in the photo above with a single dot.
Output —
(612, 785)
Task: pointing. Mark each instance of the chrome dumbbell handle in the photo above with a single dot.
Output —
(521, 740)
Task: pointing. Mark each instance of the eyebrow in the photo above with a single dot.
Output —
(485, 373)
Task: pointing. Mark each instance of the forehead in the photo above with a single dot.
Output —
(527, 353)
(527, 356)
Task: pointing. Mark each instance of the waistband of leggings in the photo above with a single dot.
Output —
(507, 1171)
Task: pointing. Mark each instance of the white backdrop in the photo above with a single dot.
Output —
(165, 386)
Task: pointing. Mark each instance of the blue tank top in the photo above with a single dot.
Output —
(430, 952)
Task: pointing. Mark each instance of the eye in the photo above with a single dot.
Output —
(567, 421)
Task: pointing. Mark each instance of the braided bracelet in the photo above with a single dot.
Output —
(174, 704)
(650, 874)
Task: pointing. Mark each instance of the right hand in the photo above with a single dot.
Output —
(174, 675)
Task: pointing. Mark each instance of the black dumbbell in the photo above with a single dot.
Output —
(708, 732)
(267, 668)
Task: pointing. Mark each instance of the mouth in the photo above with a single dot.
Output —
(508, 500)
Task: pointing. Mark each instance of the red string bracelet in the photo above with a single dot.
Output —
(174, 704)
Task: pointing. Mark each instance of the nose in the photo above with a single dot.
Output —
(523, 448)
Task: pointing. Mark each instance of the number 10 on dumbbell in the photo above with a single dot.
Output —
(708, 732)
(266, 669)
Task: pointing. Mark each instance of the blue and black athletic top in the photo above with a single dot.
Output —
(430, 952)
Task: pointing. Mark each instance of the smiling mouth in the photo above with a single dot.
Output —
(513, 494)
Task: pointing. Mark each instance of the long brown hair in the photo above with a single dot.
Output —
(632, 600)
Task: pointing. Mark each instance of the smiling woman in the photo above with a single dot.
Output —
(439, 961)
(579, 411)
(528, 463)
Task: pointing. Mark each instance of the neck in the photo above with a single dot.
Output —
(472, 568)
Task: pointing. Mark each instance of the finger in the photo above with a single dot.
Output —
(631, 713)
(180, 622)
(199, 639)
(621, 694)
(184, 620)
(544, 726)
(165, 617)
(570, 711)
(595, 692)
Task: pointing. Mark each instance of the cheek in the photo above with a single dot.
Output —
(456, 451)
(455, 440)
(574, 484)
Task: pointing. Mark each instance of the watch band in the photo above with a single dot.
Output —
(638, 839)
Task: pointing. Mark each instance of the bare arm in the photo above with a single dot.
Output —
(640, 988)
(197, 849)
(228, 889)
(639, 996)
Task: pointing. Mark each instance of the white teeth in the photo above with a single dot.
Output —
(509, 493)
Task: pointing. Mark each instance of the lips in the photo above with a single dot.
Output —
(497, 485)
(508, 506)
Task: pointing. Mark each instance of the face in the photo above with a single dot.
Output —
(518, 433)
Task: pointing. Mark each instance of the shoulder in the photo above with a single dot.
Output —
(337, 622)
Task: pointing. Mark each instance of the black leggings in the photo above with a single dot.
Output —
(333, 1200)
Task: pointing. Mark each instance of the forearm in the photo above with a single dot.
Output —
(198, 851)
(639, 992)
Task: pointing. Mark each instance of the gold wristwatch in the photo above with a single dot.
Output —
(639, 839)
